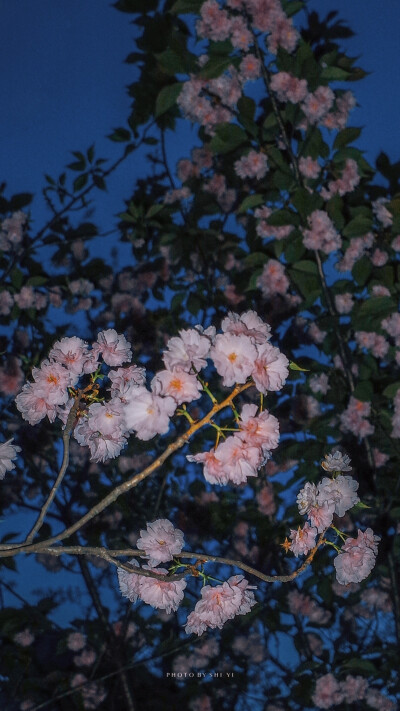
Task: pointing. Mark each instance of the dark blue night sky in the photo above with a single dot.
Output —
(63, 86)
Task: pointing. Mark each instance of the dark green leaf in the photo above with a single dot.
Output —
(167, 97)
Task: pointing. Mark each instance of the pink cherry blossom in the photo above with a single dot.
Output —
(322, 234)
(248, 324)
(265, 500)
(357, 558)
(308, 167)
(71, 352)
(319, 383)
(264, 229)
(250, 66)
(253, 165)
(261, 430)
(270, 369)
(76, 641)
(11, 376)
(123, 380)
(148, 414)
(6, 302)
(327, 692)
(340, 491)
(345, 184)
(182, 386)
(344, 303)
(8, 453)
(316, 105)
(129, 583)
(24, 638)
(114, 348)
(354, 688)
(233, 357)
(239, 460)
(213, 468)
(353, 418)
(161, 594)
(288, 87)
(303, 539)
(273, 279)
(161, 541)
(191, 347)
(221, 603)
(381, 212)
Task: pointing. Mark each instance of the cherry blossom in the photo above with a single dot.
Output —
(161, 541)
(8, 453)
(357, 557)
(221, 603)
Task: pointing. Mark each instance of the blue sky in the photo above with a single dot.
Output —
(63, 86)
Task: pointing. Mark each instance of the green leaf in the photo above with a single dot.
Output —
(369, 316)
(305, 202)
(294, 366)
(362, 270)
(364, 391)
(360, 665)
(228, 136)
(347, 135)
(120, 135)
(255, 259)
(17, 278)
(391, 390)
(37, 281)
(99, 182)
(153, 210)
(358, 226)
(334, 74)
(136, 6)
(80, 182)
(167, 97)
(249, 202)
(191, 7)
(215, 66)
(306, 266)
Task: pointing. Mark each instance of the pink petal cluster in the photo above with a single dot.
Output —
(357, 248)
(273, 279)
(103, 430)
(341, 492)
(249, 68)
(6, 302)
(191, 348)
(161, 594)
(263, 229)
(220, 604)
(396, 416)
(253, 165)
(114, 348)
(316, 105)
(181, 386)
(382, 213)
(320, 383)
(337, 119)
(327, 692)
(74, 354)
(377, 344)
(288, 87)
(8, 453)
(300, 604)
(322, 234)
(47, 393)
(11, 376)
(391, 325)
(224, 196)
(345, 184)
(357, 558)
(344, 303)
(266, 500)
(146, 413)
(11, 231)
(353, 418)
(303, 539)
(161, 541)
(308, 167)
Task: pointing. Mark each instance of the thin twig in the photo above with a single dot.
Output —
(65, 438)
